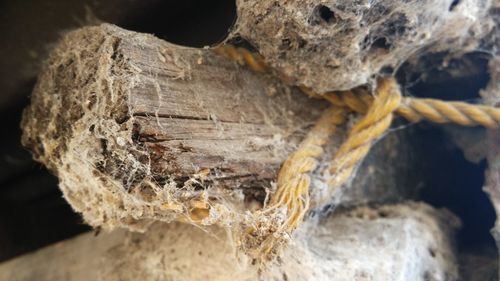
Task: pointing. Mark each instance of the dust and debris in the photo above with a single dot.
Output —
(276, 144)
(88, 143)
(338, 45)
(117, 186)
(411, 240)
(91, 138)
(176, 67)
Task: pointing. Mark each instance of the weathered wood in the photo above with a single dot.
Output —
(136, 128)
(403, 242)
(140, 130)
(194, 103)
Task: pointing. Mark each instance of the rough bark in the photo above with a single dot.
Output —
(404, 242)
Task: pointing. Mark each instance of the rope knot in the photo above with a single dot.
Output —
(272, 226)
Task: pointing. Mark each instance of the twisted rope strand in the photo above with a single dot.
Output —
(417, 109)
(293, 178)
(365, 132)
(450, 112)
(412, 109)
(294, 181)
(243, 56)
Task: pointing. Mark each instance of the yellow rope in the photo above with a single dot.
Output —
(450, 112)
(417, 109)
(364, 133)
(243, 56)
(413, 109)
(293, 179)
